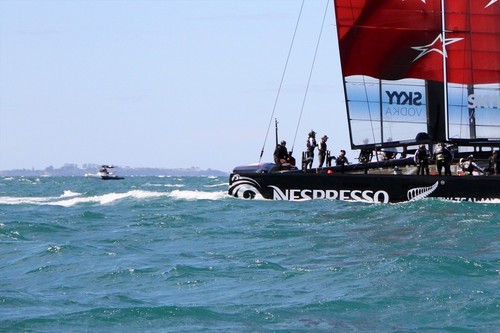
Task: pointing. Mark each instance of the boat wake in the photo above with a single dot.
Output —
(199, 195)
(69, 198)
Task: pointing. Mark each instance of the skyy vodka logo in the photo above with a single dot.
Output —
(484, 101)
(404, 104)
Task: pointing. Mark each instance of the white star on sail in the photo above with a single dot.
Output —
(425, 49)
(491, 2)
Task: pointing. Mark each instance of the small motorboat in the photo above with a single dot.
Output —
(104, 174)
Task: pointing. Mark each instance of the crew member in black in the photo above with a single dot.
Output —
(365, 156)
(311, 144)
(443, 158)
(494, 163)
(281, 153)
(342, 160)
(469, 165)
(291, 159)
(322, 150)
(421, 159)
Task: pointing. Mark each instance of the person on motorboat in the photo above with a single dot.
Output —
(421, 159)
(103, 170)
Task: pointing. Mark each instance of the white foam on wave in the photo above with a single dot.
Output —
(164, 185)
(70, 194)
(69, 198)
(109, 198)
(37, 200)
(217, 185)
(22, 200)
(198, 195)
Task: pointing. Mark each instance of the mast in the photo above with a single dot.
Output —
(276, 130)
(472, 114)
(437, 96)
(445, 76)
(470, 91)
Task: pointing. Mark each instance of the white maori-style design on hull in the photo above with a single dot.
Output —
(419, 193)
(245, 188)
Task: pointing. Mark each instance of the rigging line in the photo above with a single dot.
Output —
(364, 83)
(281, 82)
(470, 87)
(370, 117)
(310, 73)
(445, 73)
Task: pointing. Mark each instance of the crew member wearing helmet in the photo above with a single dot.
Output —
(443, 158)
(421, 159)
(322, 151)
(494, 163)
(469, 165)
(311, 144)
(281, 153)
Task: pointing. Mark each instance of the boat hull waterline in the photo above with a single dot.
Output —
(384, 188)
(104, 177)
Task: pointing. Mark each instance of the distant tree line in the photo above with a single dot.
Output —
(89, 168)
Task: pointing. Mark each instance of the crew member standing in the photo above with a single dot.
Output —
(311, 144)
(421, 159)
(443, 158)
(365, 156)
(494, 163)
(322, 148)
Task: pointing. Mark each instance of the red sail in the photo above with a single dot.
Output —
(394, 39)
(476, 57)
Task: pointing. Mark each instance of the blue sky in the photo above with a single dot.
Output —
(163, 83)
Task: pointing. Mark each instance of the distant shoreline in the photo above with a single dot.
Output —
(75, 171)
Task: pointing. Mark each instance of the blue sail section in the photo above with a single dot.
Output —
(385, 112)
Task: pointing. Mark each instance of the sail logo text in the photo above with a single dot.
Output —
(404, 104)
(346, 195)
(484, 101)
(404, 97)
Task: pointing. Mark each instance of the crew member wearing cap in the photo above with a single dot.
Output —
(469, 165)
(281, 153)
(342, 160)
(421, 159)
(443, 158)
(322, 150)
(311, 144)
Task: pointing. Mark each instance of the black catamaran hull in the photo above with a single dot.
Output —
(384, 188)
(420, 78)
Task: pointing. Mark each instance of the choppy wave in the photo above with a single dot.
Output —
(38, 200)
(130, 257)
(199, 195)
(69, 198)
(218, 185)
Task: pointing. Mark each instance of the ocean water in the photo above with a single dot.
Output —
(170, 254)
